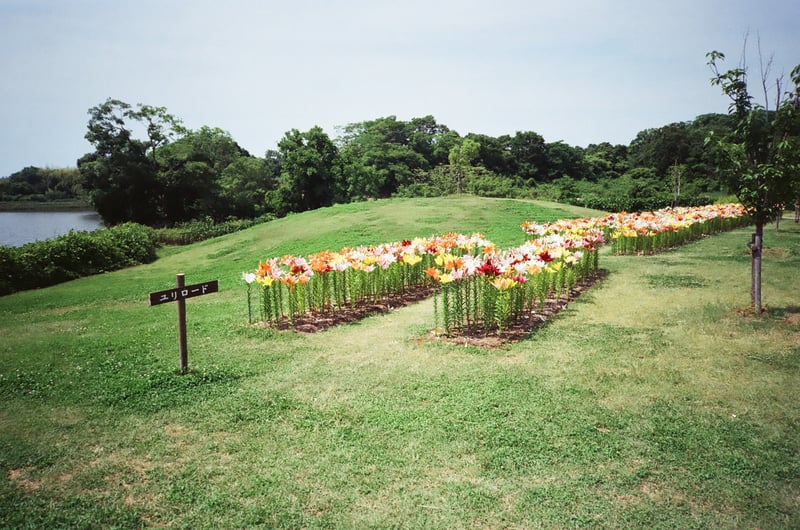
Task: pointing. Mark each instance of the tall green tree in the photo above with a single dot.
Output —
(528, 156)
(564, 160)
(189, 175)
(379, 155)
(160, 126)
(310, 173)
(429, 139)
(245, 183)
(760, 159)
(701, 175)
(605, 161)
(167, 174)
(120, 179)
(494, 153)
(660, 148)
(681, 145)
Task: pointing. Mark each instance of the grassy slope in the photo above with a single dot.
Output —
(649, 402)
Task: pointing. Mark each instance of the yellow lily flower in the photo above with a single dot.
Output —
(502, 283)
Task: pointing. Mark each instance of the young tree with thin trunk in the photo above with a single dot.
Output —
(760, 160)
(460, 157)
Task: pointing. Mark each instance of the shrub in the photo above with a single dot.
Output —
(194, 231)
(490, 185)
(73, 255)
(134, 243)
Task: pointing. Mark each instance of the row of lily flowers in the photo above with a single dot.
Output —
(652, 231)
(476, 286)
(475, 283)
(572, 246)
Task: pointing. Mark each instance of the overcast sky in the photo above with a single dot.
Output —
(578, 71)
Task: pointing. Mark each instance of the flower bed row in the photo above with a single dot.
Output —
(490, 291)
(477, 287)
(649, 232)
(329, 281)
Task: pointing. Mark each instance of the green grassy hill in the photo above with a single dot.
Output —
(652, 401)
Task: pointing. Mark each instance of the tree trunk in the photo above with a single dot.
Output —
(755, 246)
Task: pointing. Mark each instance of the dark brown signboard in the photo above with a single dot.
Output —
(182, 293)
(179, 294)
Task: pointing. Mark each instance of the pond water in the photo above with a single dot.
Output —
(18, 228)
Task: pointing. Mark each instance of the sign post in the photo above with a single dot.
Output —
(179, 294)
(184, 350)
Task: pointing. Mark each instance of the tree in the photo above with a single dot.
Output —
(169, 174)
(564, 160)
(379, 155)
(675, 177)
(528, 156)
(661, 148)
(121, 175)
(494, 153)
(244, 185)
(605, 161)
(189, 175)
(310, 175)
(682, 144)
(700, 176)
(425, 137)
(161, 127)
(760, 160)
(461, 156)
(118, 176)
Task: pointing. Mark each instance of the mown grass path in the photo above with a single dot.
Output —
(649, 402)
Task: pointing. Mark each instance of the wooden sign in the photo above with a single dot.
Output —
(179, 294)
(182, 293)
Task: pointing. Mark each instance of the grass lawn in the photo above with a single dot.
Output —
(652, 401)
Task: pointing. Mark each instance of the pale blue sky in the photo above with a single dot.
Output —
(578, 71)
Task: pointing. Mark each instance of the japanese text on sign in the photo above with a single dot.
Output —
(182, 293)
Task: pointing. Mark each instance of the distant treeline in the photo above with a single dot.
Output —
(42, 184)
(172, 175)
